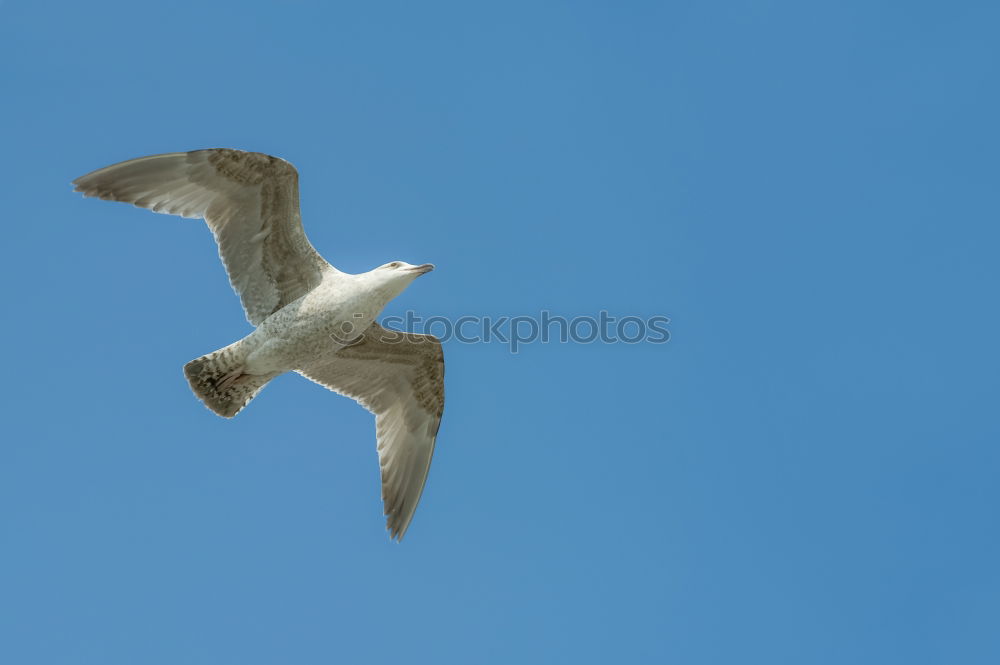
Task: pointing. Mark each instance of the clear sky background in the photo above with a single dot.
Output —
(807, 473)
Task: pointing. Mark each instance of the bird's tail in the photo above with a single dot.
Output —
(218, 380)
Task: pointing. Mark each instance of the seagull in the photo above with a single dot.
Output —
(308, 316)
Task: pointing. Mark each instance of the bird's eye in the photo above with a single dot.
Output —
(394, 264)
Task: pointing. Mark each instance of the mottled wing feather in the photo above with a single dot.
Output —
(400, 378)
(250, 202)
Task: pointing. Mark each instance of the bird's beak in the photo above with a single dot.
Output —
(425, 268)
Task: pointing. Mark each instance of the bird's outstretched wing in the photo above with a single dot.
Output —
(400, 378)
(250, 202)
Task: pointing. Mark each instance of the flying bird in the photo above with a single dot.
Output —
(309, 317)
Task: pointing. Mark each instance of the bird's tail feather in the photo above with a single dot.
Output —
(218, 380)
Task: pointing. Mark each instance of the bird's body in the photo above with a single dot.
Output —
(309, 317)
(333, 314)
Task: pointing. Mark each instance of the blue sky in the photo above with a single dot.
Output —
(805, 474)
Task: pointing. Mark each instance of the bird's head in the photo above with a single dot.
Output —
(396, 276)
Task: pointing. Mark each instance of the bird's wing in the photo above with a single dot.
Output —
(400, 378)
(250, 202)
